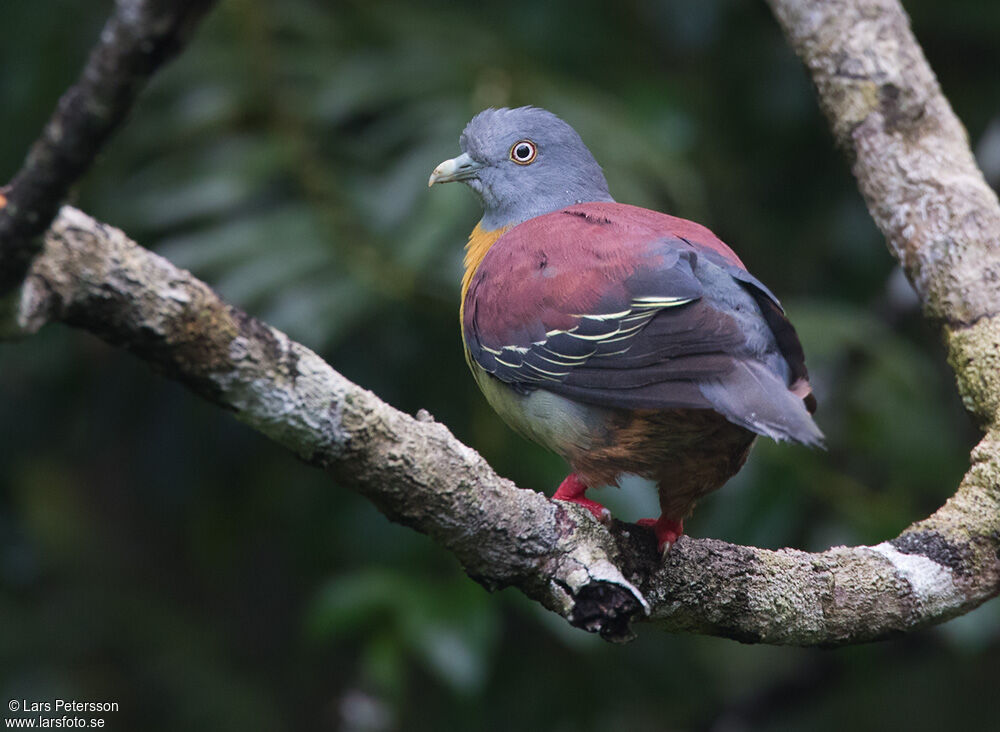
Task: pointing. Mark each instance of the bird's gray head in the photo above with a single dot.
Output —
(523, 163)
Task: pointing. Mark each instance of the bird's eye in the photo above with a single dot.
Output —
(523, 152)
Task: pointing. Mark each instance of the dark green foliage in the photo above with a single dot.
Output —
(154, 552)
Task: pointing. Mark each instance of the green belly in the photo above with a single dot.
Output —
(559, 424)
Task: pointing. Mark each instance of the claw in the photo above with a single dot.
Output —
(572, 490)
(601, 513)
(667, 531)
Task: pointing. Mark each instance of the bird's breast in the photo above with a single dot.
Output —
(480, 242)
(562, 425)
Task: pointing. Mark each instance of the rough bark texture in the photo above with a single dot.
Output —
(138, 38)
(908, 150)
(601, 578)
(918, 176)
(93, 277)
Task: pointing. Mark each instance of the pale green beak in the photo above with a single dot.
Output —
(460, 168)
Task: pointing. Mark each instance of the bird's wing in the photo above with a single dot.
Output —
(619, 306)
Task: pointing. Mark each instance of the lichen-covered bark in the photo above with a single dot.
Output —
(908, 150)
(915, 170)
(601, 578)
(93, 277)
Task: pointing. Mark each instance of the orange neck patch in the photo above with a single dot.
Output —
(479, 243)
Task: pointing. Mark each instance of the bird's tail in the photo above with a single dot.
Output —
(754, 397)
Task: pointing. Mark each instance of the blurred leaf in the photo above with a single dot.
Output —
(154, 551)
(450, 628)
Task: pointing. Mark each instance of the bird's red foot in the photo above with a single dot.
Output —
(667, 531)
(572, 490)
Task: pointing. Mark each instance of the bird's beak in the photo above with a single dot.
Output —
(460, 168)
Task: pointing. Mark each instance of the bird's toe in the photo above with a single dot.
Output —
(666, 530)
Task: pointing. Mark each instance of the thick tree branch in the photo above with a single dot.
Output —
(918, 176)
(93, 277)
(907, 149)
(911, 157)
(138, 38)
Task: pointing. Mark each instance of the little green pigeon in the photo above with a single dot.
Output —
(624, 340)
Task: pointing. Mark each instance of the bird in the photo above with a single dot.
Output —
(625, 340)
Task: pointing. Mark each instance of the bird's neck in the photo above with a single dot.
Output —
(480, 241)
(509, 213)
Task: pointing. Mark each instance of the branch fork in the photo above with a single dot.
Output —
(911, 157)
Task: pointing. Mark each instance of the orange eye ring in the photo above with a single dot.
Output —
(523, 152)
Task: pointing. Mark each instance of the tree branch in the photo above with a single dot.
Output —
(93, 277)
(138, 38)
(908, 150)
(915, 170)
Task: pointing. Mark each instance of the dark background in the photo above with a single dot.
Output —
(157, 553)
